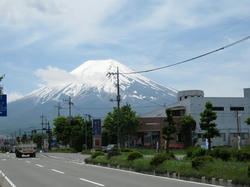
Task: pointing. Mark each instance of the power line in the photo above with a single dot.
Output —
(191, 59)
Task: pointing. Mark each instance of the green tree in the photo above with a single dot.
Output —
(188, 125)
(247, 121)
(62, 130)
(128, 124)
(169, 129)
(37, 138)
(207, 124)
(72, 132)
(77, 133)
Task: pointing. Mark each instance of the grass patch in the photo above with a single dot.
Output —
(86, 152)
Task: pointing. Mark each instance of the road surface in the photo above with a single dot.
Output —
(69, 170)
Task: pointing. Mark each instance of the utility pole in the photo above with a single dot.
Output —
(58, 106)
(118, 107)
(42, 123)
(118, 99)
(70, 104)
(86, 129)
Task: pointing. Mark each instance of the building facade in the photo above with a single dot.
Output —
(231, 115)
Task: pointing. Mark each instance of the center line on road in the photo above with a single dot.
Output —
(57, 171)
(39, 165)
(91, 182)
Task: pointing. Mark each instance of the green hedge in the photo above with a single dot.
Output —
(134, 155)
(236, 171)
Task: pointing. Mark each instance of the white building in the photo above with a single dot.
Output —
(231, 114)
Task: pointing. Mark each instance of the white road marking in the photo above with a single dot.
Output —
(44, 156)
(79, 163)
(19, 159)
(159, 177)
(39, 165)
(3, 159)
(7, 179)
(27, 162)
(35, 158)
(57, 171)
(91, 182)
(56, 157)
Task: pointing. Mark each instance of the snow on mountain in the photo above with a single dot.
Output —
(91, 90)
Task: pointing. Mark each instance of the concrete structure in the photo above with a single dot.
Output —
(231, 115)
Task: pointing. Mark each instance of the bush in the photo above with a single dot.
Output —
(114, 152)
(160, 158)
(200, 152)
(142, 165)
(134, 155)
(126, 150)
(96, 154)
(198, 162)
(86, 152)
(243, 155)
(190, 151)
(222, 153)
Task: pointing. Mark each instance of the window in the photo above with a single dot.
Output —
(218, 108)
(233, 108)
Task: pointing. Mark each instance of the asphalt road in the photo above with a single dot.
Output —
(69, 170)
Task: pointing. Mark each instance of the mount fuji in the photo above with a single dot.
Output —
(90, 90)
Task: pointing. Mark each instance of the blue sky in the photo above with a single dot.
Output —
(141, 34)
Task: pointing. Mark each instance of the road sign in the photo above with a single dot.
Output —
(97, 127)
(3, 105)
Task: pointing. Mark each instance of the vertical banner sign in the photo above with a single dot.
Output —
(3, 105)
(97, 127)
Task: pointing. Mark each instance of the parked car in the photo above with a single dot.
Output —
(109, 147)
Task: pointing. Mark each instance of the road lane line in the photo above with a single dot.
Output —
(39, 165)
(154, 176)
(44, 156)
(57, 171)
(79, 163)
(7, 179)
(3, 159)
(27, 162)
(91, 182)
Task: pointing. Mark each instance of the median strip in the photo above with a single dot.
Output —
(91, 182)
(57, 171)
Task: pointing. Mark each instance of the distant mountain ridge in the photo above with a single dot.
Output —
(91, 90)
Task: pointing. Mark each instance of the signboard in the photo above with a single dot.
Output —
(97, 126)
(3, 105)
(53, 143)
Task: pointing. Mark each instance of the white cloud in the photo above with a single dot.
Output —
(53, 76)
(71, 21)
(13, 96)
(193, 13)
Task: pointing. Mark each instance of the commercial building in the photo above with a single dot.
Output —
(231, 115)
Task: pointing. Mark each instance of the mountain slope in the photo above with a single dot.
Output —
(91, 90)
